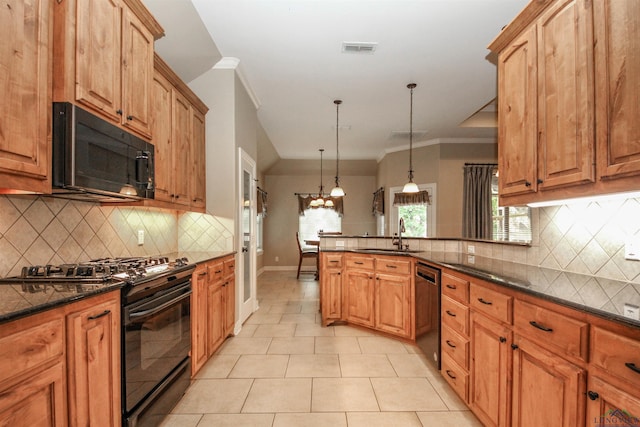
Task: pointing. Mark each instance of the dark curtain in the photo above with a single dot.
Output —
(476, 204)
(304, 201)
(262, 202)
(419, 198)
(377, 207)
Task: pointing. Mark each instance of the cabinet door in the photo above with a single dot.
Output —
(565, 95)
(517, 106)
(331, 295)
(199, 312)
(393, 304)
(229, 305)
(490, 369)
(547, 390)
(98, 56)
(617, 27)
(198, 159)
(137, 74)
(25, 105)
(215, 317)
(360, 297)
(161, 129)
(93, 356)
(608, 405)
(181, 140)
(39, 400)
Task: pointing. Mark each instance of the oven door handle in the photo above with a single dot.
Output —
(154, 310)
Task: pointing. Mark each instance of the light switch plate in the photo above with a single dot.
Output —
(471, 249)
(140, 237)
(632, 249)
(340, 243)
(632, 311)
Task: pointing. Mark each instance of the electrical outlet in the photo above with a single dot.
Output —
(471, 249)
(339, 243)
(632, 311)
(632, 249)
(277, 259)
(471, 259)
(140, 237)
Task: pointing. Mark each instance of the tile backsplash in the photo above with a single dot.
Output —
(44, 230)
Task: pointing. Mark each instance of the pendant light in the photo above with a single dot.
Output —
(411, 187)
(337, 191)
(319, 201)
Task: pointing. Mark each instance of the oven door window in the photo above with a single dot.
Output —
(157, 339)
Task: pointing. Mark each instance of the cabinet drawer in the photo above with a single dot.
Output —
(360, 262)
(229, 267)
(393, 266)
(456, 346)
(333, 260)
(455, 315)
(455, 288)
(490, 302)
(617, 354)
(551, 329)
(457, 378)
(23, 348)
(215, 271)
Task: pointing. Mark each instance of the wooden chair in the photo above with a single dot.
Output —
(306, 253)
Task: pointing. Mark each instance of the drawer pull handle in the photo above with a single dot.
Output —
(391, 266)
(453, 377)
(97, 316)
(451, 287)
(539, 326)
(202, 273)
(334, 260)
(358, 262)
(633, 367)
(451, 314)
(450, 345)
(218, 271)
(485, 302)
(592, 395)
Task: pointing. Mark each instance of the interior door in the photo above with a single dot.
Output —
(247, 237)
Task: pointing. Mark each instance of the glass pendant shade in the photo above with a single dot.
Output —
(410, 187)
(328, 203)
(337, 191)
(128, 190)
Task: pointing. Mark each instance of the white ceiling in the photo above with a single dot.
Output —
(291, 59)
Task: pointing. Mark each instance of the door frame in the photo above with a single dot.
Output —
(244, 310)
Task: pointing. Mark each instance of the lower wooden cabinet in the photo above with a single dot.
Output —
(360, 286)
(393, 304)
(61, 367)
(212, 308)
(607, 405)
(490, 370)
(93, 358)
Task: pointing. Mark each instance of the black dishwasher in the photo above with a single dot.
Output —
(427, 293)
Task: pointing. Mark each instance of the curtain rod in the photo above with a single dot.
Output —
(481, 164)
(379, 190)
(260, 189)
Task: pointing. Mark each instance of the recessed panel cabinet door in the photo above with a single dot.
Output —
(518, 114)
(565, 95)
(198, 154)
(617, 59)
(360, 294)
(181, 141)
(161, 125)
(25, 104)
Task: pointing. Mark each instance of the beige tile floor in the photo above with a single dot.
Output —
(285, 369)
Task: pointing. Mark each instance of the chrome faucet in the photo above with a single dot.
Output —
(398, 242)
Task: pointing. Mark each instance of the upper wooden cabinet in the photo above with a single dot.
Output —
(568, 88)
(103, 59)
(25, 106)
(178, 127)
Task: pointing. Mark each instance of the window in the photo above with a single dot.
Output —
(510, 223)
(419, 220)
(315, 220)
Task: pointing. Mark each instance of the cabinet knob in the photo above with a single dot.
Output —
(540, 181)
(592, 395)
(129, 117)
(119, 112)
(527, 184)
(503, 339)
(514, 346)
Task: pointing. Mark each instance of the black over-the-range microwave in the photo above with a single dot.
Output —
(95, 160)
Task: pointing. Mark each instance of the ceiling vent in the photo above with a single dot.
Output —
(359, 47)
(404, 134)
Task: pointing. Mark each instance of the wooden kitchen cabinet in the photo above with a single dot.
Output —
(395, 296)
(568, 114)
(93, 357)
(104, 59)
(199, 312)
(178, 125)
(547, 389)
(609, 405)
(26, 38)
(360, 288)
(331, 287)
(213, 308)
(490, 370)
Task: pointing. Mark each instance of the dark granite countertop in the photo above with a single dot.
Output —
(579, 291)
(16, 303)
